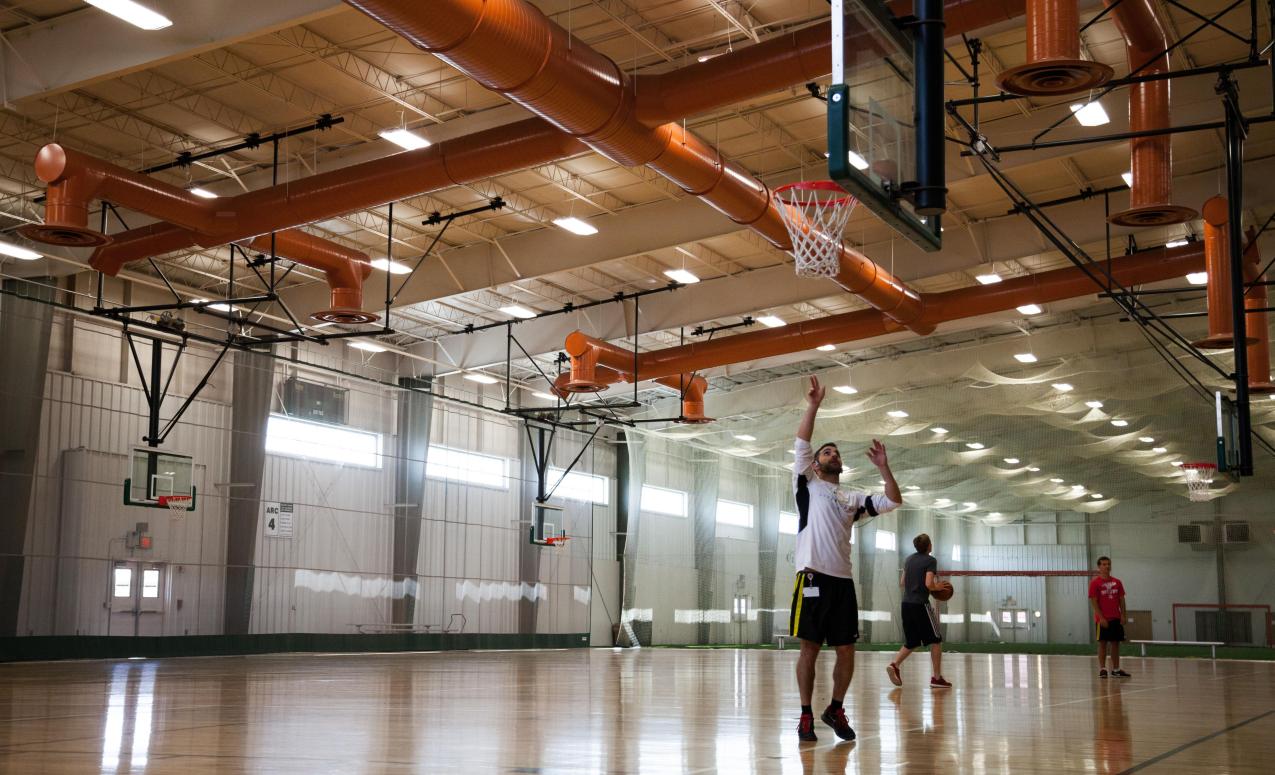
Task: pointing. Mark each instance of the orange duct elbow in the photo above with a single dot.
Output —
(1053, 63)
(1259, 349)
(691, 387)
(144, 242)
(344, 268)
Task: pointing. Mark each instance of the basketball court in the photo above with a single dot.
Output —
(503, 386)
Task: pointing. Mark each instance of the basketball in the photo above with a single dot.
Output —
(945, 593)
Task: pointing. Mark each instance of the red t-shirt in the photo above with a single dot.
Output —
(1108, 591)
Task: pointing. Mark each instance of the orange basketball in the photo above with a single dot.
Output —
(945, 593)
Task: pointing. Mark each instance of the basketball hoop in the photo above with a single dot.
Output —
(1199, 476)
(815, 213)
(557, 540)
(175, 503)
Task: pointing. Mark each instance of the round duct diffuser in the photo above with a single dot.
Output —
(1054, 77)
(583, 386)
(1153, 215)
(1220, 342)
(65, 236)
(696, 420)
(347, 316)
(1262, 388)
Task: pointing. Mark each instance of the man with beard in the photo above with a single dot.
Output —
(824, 605)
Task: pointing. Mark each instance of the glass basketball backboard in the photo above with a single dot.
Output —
(155, 474)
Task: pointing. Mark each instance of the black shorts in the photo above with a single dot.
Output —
(824, 609)
(1112, 633)
(920, 625)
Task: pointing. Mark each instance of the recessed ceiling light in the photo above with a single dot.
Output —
(575, 226)
(897, 413)
(18, 252)
(1094, 404)
(974, 445)
(1096, 496)
(1177, 243)
(1127, 177)
(970, 505)
(1119, 423)
(405, 138)
(1013, 461)
(202, 193)
(1198, 278)
(367, 346)
(545, 396)
(1090, 114)
(1030, 309)
(517, 311)
(681, 276)
(845, 389)
(1033, 469)
(745, 437)
(1063, 387)
(771, 321)
(133, 13)
(393, 267)
(482, 379)
(1057, 480)
(941, 502)
(1025, 357)
(911, 487)
(1146, 439)
(988, 279)
(857, 161)
(1077, 487)
(1159, 450)
(826, 348)
(938, 430)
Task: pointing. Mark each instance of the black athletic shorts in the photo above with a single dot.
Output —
(1113, 632)
(920, 625)
(824, 609)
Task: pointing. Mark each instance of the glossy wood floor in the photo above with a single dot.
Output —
(648, 711)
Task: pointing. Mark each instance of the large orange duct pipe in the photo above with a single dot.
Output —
(1053, 63)
(1217, 264)
(510, 47)
(1259, 349)
(611, 364)
(1151, 158)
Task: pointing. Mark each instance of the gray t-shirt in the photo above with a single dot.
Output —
(914, 570)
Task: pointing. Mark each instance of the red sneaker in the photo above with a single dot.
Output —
(892, 670)
(806, 728)
(939, 682)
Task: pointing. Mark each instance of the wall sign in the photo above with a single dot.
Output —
(277, 519)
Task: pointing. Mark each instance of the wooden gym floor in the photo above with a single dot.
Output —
(646, 711)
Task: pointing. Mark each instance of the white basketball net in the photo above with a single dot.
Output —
(1199, 477)
(815, 215)
(177, 503)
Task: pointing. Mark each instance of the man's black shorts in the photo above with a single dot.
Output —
(1113, 632)
(920, 625)
(824, 609)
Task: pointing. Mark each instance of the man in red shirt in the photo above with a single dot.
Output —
(1106, 598)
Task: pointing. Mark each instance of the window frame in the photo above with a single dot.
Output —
(685, 498)
(601, 483)
(341, 435)
(472, 480)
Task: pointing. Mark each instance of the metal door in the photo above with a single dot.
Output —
(137, 596)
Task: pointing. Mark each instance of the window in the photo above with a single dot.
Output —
(318, 441)
(956, 552)
(1022, 617)
(886, 541)
(123, 582)
(150, 582)
(788, 523)
(470, 467)
(735, 513)
(659, 500)
(579, 486)
(1007, 617)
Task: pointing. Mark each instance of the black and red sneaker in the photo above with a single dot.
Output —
(837, 720)
(806, 728)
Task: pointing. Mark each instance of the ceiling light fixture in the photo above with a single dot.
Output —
(911, 487)
(133, 13)
(970, 505)
(481, 379)
(1146, 439)
(1057, 480)
(974, 445)
(898, 414)
(1198, 278)
(367, 347)
(845, 389)
(1120, 423)
(1063, 387)
(518, 311)
(1077, 487)
(1177, 243)
(681, 276)
(826, 348)
(1025, 357)
(1013, 461)
(938, 430)
(18, 252)
(941, 502)
(405, 138)
(545, 396)
(1094, 404)
(988, 279)
(1096, 496)
(771, 321)
(393, 267)
(575, 226)
(1030, 309)
(202, 193)
(1176, 463)
(1033, 469)
(1127, 177)
(745, 437)
(1159, 450)
(1090, 113)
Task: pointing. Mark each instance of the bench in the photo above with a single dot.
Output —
(1212, 644)
(783, 638)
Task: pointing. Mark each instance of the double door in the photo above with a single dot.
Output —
(137, 598)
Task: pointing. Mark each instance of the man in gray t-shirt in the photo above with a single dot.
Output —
(920, 621)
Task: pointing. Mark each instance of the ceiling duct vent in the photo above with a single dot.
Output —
(1191, 534)
(1235, 533)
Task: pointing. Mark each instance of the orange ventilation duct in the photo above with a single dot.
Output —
(1217, 265)
(1053, 63)
(1259, 349)
(691, 387)
(1151, 158)
(607, 363)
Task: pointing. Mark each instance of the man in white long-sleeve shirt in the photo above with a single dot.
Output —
(824, 605)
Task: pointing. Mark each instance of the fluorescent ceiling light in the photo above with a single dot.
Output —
(1033, 469)
(18, 252)
(938, 430)
(857, 161)
(575, 226)
(133, 13)
(202, 193)
(405, 138)
(1159, 450)
(994, 515)
(706, 57)
(1094, 404)
(218, 306)
(897, 413)
(1090, 114)
(940, 502)
(826, 348)
(1176, 463)
(970, 505)
(845, 389)
(1127, 177)
(1198, 278)
(545, 396)
(1057, 480)
(974, 445)
(680, 276)
(368, 346)
(1025, 357)
(770, 321)
(514, 310)
(1146, 439)
(481, 379)
(393, 267)
(1030, 309)
(1013, 461)
(1177, 243)
(1096, 496)
(745, 437)
(911, 487)
(1077, 487)
(1119, 423)
(988, 279)
(1063, 387)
